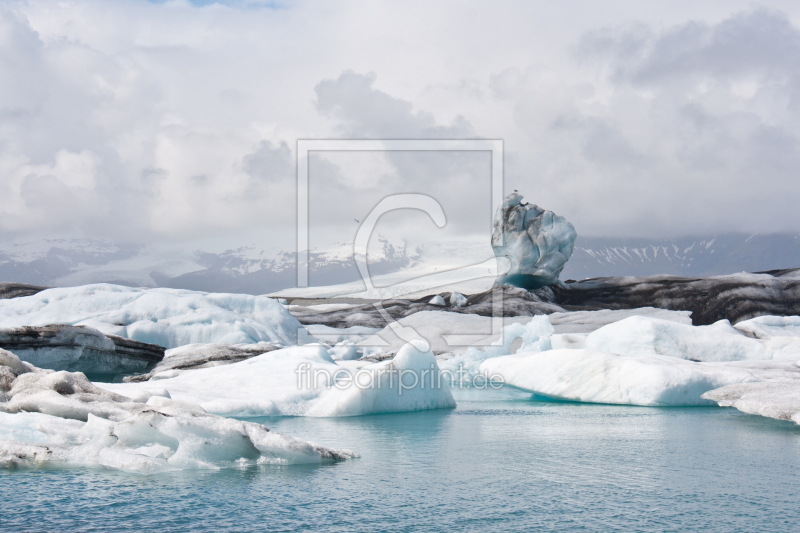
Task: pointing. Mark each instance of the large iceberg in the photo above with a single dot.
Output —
(648, 380)
(62, 417)
(166, 317)
(537, 242)
(305, 381)
(639, 335)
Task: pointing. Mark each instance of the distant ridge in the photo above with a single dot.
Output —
(682, 256)
(256, 270)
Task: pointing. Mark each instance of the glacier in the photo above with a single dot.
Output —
(537, 242)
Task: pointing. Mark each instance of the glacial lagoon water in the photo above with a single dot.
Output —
(501, 461)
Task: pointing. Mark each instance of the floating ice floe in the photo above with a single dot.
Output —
(648, 380)
(773, 399)
(639, 335)
(305, 381)
(166, 317)
(61, 417)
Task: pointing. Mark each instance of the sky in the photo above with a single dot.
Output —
(173, 121)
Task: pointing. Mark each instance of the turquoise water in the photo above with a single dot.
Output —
(499, 462)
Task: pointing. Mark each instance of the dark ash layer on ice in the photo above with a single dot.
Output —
(194, 356)
(80, 349)
(735, 297)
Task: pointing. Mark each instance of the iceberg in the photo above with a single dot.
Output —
(767, 327)
(79, 349)
(166, 317)
(458, 300)
(638, 335)
(647, 380)
(772, 399)
(305, 381)
(537, 242)
(61, 417)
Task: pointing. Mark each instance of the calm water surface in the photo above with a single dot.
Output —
(499, 462)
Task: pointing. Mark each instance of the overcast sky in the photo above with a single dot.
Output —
(176, 121)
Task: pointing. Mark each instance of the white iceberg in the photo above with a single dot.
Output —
(457, 300)
(766, 327)
(304, 381)
(437, 300)
(647, 380)
(166, 317)
(638, 335)
(62, 417)
(537, 242)
(773, 399)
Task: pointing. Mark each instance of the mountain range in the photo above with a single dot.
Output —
(260, 270)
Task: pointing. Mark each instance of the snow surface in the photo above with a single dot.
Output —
(648, 380)
(167, 317)
(588, 321)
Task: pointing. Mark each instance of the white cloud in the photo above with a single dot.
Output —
(171, 121)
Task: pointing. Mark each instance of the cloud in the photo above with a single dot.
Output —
(367, 112)
(173, 121)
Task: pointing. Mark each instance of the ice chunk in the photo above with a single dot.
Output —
(298, 381)
(534, 336)
(639, 335)
(536, 241)
(766, 327)
(437, 300)
(773, 399)
(409, 382)
(649, 380)
(61, 417)
(166, 317)
(79, 349)
(346, 351)
(458, 300)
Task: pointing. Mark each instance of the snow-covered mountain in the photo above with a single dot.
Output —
(261, 270)
(683, 256)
